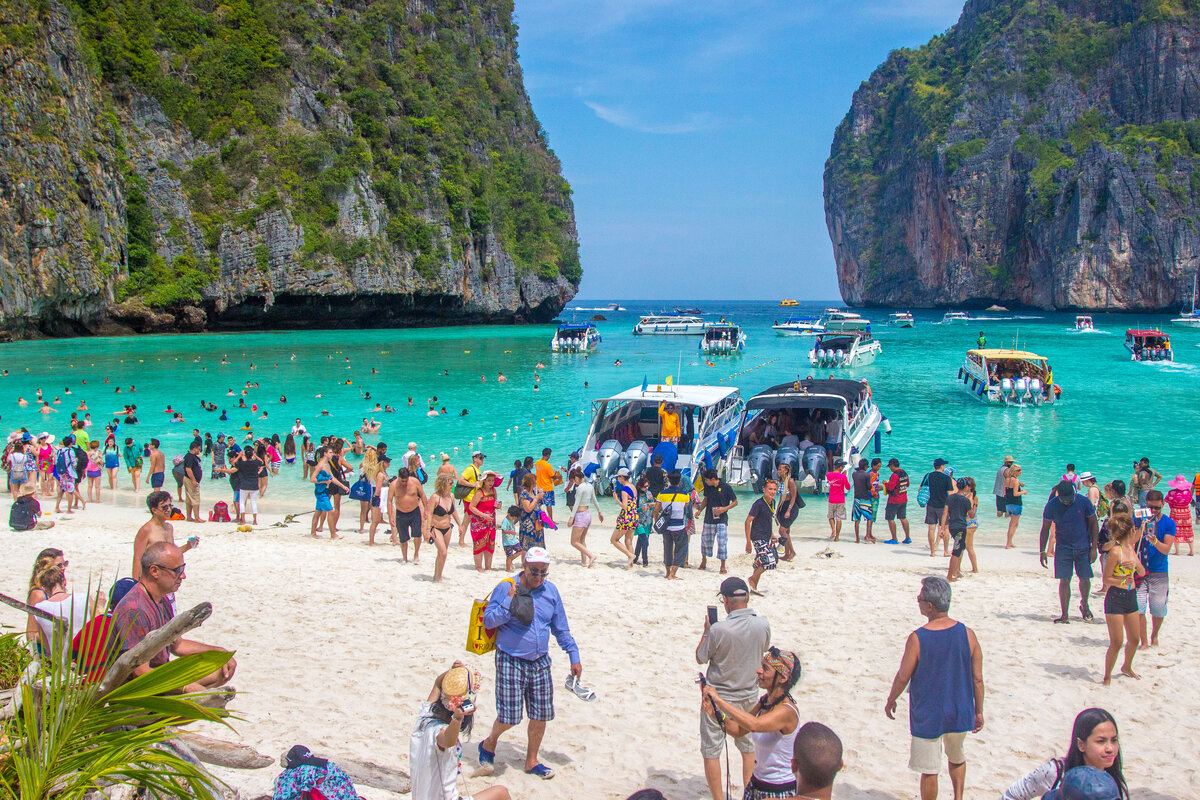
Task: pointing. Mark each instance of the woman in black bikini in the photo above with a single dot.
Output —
(439, 514)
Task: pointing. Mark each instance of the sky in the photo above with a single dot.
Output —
(694, 133)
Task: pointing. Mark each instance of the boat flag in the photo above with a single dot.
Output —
(645, 383)
(670, 380)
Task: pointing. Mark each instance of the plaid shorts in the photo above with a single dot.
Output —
(523, 682)
(715, 532)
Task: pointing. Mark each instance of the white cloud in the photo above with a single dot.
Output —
(623, 119)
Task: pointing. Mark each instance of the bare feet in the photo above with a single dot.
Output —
(334, 536)
(315, 536)
(1130, 674)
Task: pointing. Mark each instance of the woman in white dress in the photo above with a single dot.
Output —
(434, 751)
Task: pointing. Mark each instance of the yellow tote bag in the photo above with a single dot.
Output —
(480, 640)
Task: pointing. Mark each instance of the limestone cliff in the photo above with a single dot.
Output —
(1040, 153)
(188, 165)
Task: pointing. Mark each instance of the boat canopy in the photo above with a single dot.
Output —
(1144, 332)
(996, 354)
(807, 394)
(575, 326)
(687, 395)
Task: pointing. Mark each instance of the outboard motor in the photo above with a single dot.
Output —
(816, 463)
(1006, 387)
(762, 465)
(609, 459)
(791, 457)
(1035, 388)
(1022, 386)
(839, 356)
(637, 458)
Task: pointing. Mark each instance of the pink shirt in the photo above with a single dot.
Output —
(838, 484)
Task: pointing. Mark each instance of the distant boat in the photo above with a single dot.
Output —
(799, 326)
(575, 337)
(788, 303)
(1191, 318)
(955, 316)
(1148, 344)
(903, 319)
(614, 307)
(695, 311)
(667, 324)
(837, 319)
(1084, 323)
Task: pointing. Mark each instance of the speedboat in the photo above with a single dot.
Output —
(851, 349)
(670, 324)
(785, 303)
(575, 337)
(780, 423)
(625, 431)
(693, 311)
(1084, 323)
(1191, 318)
(1148, 344)
(902, 319)
(723, 338)
(1008, 377)
(955, 316)
(837, 319)
(614, 307)
(799, 326)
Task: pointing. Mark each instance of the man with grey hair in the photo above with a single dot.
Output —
(944, 664)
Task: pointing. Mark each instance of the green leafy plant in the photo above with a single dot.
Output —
(14, 657)
(66, 739)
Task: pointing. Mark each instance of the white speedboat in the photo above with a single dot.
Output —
(575, 337)
(780, 424)
(723, 338)
(799, 326)
(1148, 344)
(1008, 377)
(1190, 319)
(952, 317)
(902, 319)
(1084, 323)
(838, 319)
(851, 349)
(626, 431)
(670, 324)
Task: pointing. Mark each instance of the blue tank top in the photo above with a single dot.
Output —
(942, 692)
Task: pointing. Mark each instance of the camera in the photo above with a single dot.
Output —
(468, 709)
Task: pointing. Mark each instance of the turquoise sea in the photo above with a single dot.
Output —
(1112, 411)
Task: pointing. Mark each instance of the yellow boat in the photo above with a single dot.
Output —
(788, 303)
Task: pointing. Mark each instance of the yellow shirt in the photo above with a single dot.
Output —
(470, 475)
(545, 475)
(669, 420)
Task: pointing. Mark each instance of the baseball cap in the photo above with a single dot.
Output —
(893, 462)
(733, 587)
(479, 454)
(1085, 783)
(940, 462)
(537, 555)
(623, 471)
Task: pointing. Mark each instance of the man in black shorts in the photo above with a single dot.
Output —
(897, 501)
(958, 508)
(940, 487)
(761, 538)
(406, 501)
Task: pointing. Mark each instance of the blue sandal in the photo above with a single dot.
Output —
(542, 771)
(487, 761)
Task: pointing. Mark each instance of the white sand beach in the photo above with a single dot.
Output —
(337, 645)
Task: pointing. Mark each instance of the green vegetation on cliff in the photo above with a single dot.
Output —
(303, 101)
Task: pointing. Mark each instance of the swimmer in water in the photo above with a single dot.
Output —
(540, 365)
(432, 412)
(464, 413)
(21, 401)
(617, 363)
(324, 412)
(282, 399)
(535, 388)
(483, 378)
(317, 395)
(500, 378)
(410, 401)
(389, 409)
(293, 357)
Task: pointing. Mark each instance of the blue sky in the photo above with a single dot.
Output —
(694, 132)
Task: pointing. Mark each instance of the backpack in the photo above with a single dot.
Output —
(220, 512)
(177, 470)
(902, 483)
(60, 463)
(20, 516)
(923, 494)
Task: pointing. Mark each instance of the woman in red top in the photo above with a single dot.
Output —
(481, 510)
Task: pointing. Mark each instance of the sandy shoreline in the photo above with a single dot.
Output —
(338, 644)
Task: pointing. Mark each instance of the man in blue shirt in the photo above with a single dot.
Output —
(1078, 536)
(1158, 538)
(523, 675)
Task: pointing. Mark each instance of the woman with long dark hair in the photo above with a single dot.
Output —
(1094, 743)
(772, 725)
(434, 750)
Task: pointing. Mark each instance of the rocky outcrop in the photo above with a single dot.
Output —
(376, 164)
(1038, 154)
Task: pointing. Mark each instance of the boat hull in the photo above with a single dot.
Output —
(860, 356)
(686, 329)
(972, 380)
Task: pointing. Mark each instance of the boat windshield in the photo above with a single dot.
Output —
(630, 421)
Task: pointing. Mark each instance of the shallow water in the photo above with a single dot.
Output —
(1112, 411)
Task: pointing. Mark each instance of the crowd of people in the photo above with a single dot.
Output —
(1128, 530)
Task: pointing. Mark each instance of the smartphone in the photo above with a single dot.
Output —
(712, 615)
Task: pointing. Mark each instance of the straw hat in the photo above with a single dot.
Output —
(459, 685)
(27, 488)
(1180, 482)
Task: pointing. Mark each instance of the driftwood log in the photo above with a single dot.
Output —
(225, 754)
(373, 775)
(28, 609)
(149, 647)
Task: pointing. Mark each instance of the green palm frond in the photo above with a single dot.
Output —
(67, 740)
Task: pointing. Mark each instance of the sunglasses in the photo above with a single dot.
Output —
(177, 570)
(539, 573)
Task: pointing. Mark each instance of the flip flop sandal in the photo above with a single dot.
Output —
(487, 761)
(542, 771)
(581, 691)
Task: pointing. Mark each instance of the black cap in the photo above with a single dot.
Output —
(1065, 489)
(734, 587)
(893, 462)
(940, 462)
